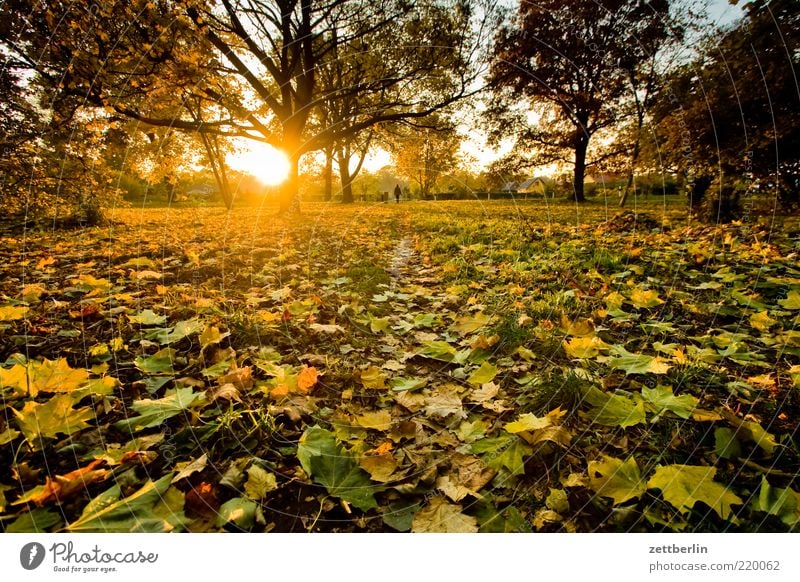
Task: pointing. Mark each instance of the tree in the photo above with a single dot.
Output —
(253, 64)
(425, 154)
(728, 120)
(569, 60)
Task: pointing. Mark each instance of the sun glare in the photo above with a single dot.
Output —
(268, 165)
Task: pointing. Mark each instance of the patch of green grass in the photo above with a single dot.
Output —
(368, 278)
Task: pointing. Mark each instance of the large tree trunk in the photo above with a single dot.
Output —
(328, 175)
(634, 159)
(347, 182)
(217, 163)
(289, 199)
(697, 192)
(579, 174)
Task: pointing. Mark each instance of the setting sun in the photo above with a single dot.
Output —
(262, 161)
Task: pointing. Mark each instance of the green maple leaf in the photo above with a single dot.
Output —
(684, 485)
(637, 363)
(56, 416)
(726, 445)
(330, 465)
(410, 384)
(783, 503)
(344, 478)
(614, 409)
(38, 520)
(507, 452)
(241, 512)
(154, 412)
(159, 363)
(661, 399)
(148, 317)
(438, 350)
(181, 330)
(149, 509)
(619, 480)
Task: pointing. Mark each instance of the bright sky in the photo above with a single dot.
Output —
(267, 164)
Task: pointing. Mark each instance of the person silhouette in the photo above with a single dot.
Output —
(397, 193)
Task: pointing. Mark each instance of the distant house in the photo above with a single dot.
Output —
(539, 185)
(202, 191)
(605, 178)
(509, 187)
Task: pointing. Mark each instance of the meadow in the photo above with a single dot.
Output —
(492, 366)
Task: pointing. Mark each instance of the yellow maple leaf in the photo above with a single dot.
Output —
(584, 347)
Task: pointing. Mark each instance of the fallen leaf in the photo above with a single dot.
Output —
(61, 488)
(56, 416)
(684, 485)
(190, 467)
(376, 420)
(259, 483)
(584, 347)
(307, 379)
(439, 516)
(484, 374)
(782, 503)
(619, 480)
(471, 323)
(373, 378)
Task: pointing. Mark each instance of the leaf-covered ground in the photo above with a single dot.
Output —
(424, 367)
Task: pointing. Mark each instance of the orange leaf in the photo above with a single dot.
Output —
(280, 391)
(381, 449)
(307, 379)
(62, 487)
(242, 378)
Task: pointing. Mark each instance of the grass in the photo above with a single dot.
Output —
(307, 328)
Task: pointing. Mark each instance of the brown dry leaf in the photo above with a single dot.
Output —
(225, 392)
(471, 471)
(444, 404)
(63, 487)
(406, 429)
(202, 500)
(307, 379)
(452, 489)
(380, 467)
(485, 392)
(242, 377)
(411, 401)
(442, 517)
(322, 328)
